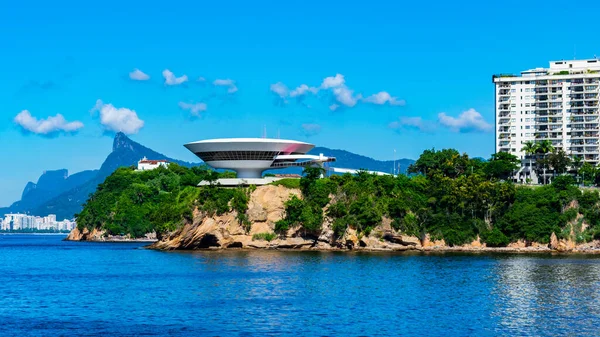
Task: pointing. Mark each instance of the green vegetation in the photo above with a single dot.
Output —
(562, 72)
(287, 182)
(136, 203)
(446, 195)
(264, 236)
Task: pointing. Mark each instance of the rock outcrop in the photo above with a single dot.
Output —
(100, 236)
(267, 205)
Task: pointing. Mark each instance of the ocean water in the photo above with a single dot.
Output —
(49, 287)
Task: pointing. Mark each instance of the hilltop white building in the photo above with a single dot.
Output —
(559, 103)
(146, 164)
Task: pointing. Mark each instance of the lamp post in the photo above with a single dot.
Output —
(394, 170)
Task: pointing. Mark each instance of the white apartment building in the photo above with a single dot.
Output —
(23, 221)
(559, 103)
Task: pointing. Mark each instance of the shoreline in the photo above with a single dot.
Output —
(260, 245)
(437, 249)
(65, 234)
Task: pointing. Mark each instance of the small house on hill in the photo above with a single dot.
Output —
(146, 164)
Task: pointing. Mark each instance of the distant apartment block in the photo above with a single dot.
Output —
(559, 103)
(146, 164)
(13, 222)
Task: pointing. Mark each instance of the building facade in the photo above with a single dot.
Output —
(146, 164)
(250, 157)
(559, 104)
(15, 222)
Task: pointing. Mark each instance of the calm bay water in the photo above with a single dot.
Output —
(51, 287)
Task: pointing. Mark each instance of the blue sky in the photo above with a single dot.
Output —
(430, 57)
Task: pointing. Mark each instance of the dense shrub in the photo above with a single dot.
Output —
(136, 203)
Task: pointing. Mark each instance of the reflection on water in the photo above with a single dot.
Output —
(545, 295)
(51, 287)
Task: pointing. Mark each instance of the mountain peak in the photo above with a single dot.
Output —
(121, 141)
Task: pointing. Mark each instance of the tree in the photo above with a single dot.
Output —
(559, 161)
(544, 147)
(447, 162)
(530, 148)
(501, 166)
(588, 173)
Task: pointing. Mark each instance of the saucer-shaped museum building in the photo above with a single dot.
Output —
(250, 157)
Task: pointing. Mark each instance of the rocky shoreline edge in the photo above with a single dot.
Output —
(266, 206)
(402, 244)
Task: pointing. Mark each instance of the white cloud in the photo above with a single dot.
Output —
(467, 121)
(221, 82)
(333, 81)
(342, 94)
(201, 79)
(413, 122)
(346, 96)
(302, 90)
(138, 75)
(118, 119)
(171, 79)
(48, 126)
(194, 108)
(280, 89)
(311, 129)
(232, 88)
(384, 97)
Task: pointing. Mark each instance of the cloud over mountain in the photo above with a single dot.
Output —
(49, 126)
(118, 119)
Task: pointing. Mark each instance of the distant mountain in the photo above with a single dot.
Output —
(49, 185)
(58, 193)
(63, 195)
(345, 159)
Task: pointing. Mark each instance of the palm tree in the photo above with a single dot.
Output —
(530, 147)
(544, 147)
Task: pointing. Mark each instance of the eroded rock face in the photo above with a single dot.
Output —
(267, 205)
(86, 235)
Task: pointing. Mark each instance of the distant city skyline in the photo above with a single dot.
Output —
(368, 79)
(20, 222)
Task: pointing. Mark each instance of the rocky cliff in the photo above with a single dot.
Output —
(267, 206)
